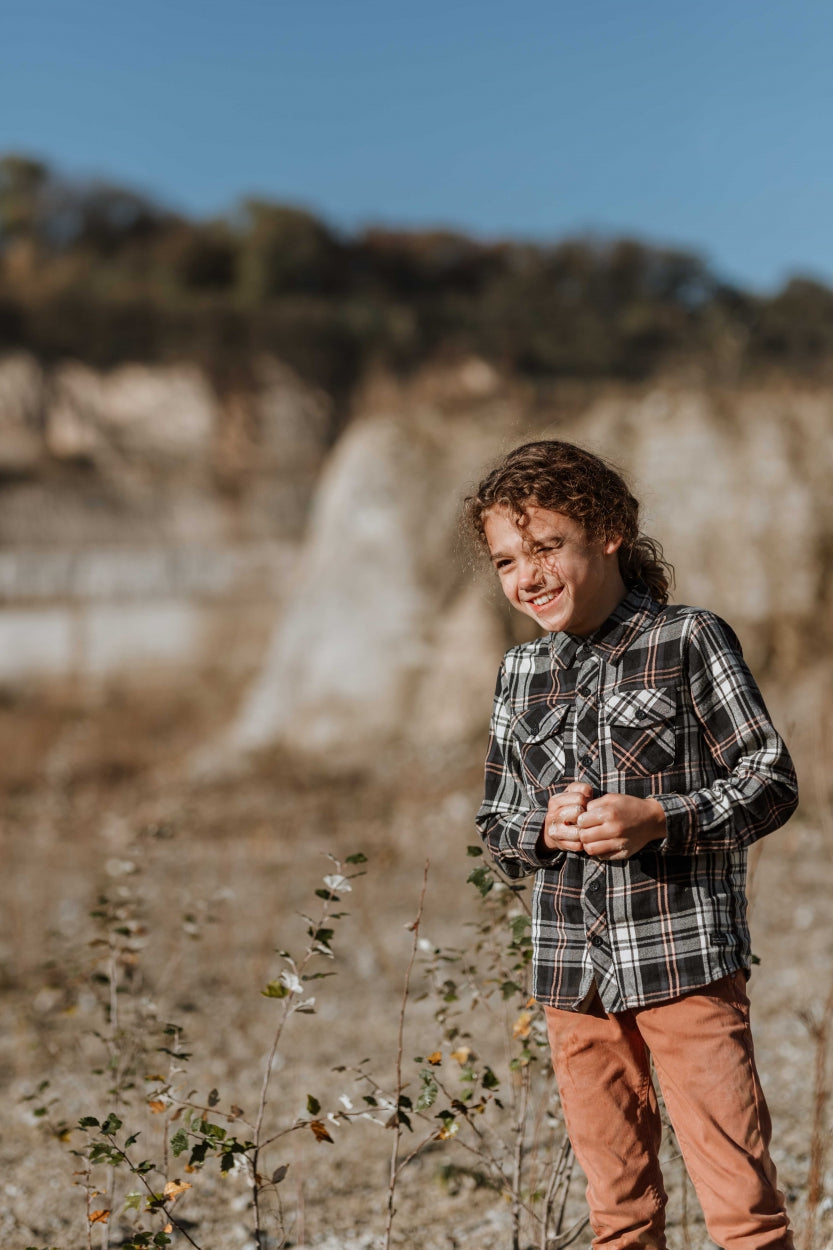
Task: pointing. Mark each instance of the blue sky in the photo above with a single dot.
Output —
(705, 125)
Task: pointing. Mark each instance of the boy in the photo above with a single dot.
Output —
(631, 763)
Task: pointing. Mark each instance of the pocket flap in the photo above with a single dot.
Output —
(538, 723)
(643, 705)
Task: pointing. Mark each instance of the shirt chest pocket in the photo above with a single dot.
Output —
(642, 724)
(539, 733)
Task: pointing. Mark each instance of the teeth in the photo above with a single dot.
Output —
(542, 599)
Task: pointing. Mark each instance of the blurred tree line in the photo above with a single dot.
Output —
(102, 274)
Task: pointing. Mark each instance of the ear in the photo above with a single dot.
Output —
(612, 545)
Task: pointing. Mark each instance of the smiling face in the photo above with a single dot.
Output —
(551, 570)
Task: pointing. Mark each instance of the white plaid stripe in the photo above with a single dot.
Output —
(678, 717)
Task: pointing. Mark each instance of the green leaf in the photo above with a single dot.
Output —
(328, 896)
(227, 1161)
(179, 1142)
(358, 858)
(313, 1105)
(520, 925)
(489, 1080)
(111, 1125)
(275, 989)
(474, 851)
(482, 878)
(508, 988)
(428, 1092)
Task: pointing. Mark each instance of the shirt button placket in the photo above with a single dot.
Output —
(587, 718)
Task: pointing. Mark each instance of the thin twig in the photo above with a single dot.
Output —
(557, 1176)
(518, 1156)
(820, 1138)
(568, 1176)
(160, 1206)
(395, 1167)
(286, 1012)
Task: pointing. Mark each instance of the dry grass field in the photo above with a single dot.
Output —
(205, 880)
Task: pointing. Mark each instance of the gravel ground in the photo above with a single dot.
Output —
(212, 877)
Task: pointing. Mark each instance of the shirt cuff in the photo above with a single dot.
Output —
(531, 845)
(680, 823)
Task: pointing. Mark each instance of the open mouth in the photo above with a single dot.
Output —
(544, 600)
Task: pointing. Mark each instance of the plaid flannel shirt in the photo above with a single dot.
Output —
(658, 702)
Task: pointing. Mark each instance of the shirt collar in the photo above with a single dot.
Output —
(610, 641)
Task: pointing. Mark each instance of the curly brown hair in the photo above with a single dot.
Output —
(563, 477)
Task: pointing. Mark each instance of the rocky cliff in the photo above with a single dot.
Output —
(386, 627)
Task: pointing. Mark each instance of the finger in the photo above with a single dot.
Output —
(606, 848)
(561, 835)
(567, 809)
(567, 844)
(589, 820)
(579, 787)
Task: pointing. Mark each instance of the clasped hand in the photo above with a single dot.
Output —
(612, 826)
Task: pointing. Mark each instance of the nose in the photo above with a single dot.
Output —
(529, 573)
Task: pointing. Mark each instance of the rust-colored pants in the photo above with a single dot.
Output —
(701, 1046)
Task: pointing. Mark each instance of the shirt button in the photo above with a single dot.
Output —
(594, 887)
(641, 714)
(596, 940)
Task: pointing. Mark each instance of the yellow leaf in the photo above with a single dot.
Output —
(436, 1058)
(100, 1217)
(320, 1131)
(449, 1129)
(157, 1106)
(169, 1228)
(523, 1024)
(153, 1076)
(462, 1054)
(174, 1188)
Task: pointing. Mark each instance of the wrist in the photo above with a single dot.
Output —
(656, 820)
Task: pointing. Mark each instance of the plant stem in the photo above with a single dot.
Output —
(820, 1133)
(395, 1167)
(517, 1160)
(559, 1173)
(286, 1012)
(161, 1206)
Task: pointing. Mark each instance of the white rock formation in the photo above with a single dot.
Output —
(366, 610)
(21, 411)
(164, 416)
(387, 637)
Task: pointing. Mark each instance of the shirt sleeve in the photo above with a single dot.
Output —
(758, 792)
(509, 824)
